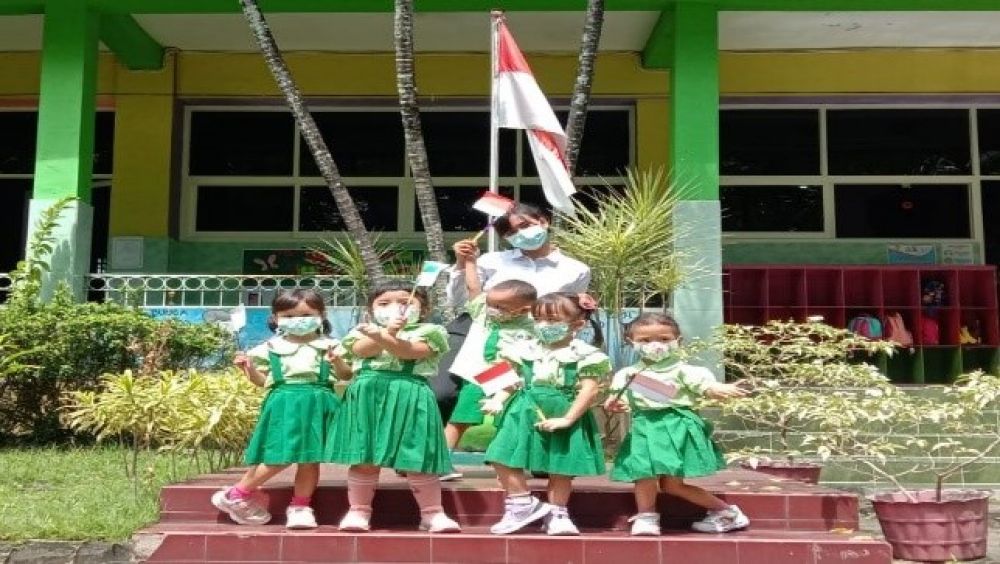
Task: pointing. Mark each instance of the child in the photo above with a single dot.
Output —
(505, 312)
(547, 425)
(389, 418)
(668, 441)
(295, 367)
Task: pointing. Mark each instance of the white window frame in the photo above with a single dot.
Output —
(405, 233)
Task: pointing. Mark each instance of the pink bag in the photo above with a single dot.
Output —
(930, 333)
(896, 330)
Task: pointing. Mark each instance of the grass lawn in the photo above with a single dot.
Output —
(78, 494)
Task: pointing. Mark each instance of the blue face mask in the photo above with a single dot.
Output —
(549, 333)
(299, 326)
(530, 238)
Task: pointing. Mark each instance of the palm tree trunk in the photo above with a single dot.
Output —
(416, 152)
(584, 79)
(348, 211)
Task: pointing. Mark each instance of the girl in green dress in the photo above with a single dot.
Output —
(296, 368)
(547, 426)
(668, 441)
(390, 418)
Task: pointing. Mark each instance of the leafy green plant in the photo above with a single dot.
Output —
(26, 278)
(342, 256)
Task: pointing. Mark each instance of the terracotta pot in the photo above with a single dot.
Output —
(805, 472)
(934, 531)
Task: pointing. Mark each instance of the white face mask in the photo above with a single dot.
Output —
(386, 314)
(656, 351)
(299, 326)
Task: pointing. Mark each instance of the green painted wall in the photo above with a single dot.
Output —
(826, 252)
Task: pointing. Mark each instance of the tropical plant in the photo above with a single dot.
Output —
(342, 256)
(26, 278)
(592, 28)
(310, 132)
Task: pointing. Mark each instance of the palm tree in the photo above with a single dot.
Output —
(348, 211)
(416, 152)
(584, 78)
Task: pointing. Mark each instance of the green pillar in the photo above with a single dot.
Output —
(694, 144)
(64, 158)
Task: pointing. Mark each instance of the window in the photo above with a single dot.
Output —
(249, 172)
(903, 211)
(772, 208)
(989, 141)
(769, 142)
(20, 137)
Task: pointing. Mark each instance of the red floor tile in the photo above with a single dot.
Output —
(685, 551)
(763, 552)
(307, 547)
(545, 550)
(621, 551)
(243, 547)
(180, 547)
(460, 548)
(378, 548)
(867, 553)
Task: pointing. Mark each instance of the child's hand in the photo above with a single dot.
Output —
(242, 361)
(554, 424)
(616, 405)
(726, 391)
(491, 406)
(395, 326)
(465, 250)
(370, 330)
(332, 356)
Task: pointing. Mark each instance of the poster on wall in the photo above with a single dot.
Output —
(912, 254)
(958, 253)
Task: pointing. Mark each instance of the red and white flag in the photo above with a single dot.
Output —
(520, 104)
(493, 205)
(653, 389)
(497, 377)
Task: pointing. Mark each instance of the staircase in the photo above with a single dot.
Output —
(791, 523)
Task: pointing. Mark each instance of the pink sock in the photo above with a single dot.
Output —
(426, 490)
(300, 501)
(361, 489)
(237, 492)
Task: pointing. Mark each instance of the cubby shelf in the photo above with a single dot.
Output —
(755, 294)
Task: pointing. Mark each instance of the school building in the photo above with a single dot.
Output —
(856, 133)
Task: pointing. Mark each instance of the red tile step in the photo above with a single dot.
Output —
(771, 503)
(187, 543)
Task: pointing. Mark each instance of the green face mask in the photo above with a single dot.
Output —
(299, 326)
(551, 332)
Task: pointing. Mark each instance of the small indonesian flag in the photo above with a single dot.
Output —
(653, 389)
(237, 318)
(493, 205)
(497, 377)
(520, 104)
(429, 272)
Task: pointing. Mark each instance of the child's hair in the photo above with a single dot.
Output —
(402, 286)
(568, 304)
(653, 318)
(502, 224)
(521, 289)
(290, 299)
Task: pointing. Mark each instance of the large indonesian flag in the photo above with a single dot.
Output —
(520, 104)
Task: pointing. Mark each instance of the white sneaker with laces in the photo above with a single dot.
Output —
(645, 524)
(518, 515)
(241, 511)
(722, 521)
(300, 517)
(558, 523)
(356, 521)
(439, 523)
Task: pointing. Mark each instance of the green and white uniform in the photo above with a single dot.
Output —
(390, 417)
(467, 408)
(300, 404)
(667, 437)
(551, 383)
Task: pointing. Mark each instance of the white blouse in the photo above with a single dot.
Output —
(555, 272)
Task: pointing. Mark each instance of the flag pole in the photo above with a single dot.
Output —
(495, 17)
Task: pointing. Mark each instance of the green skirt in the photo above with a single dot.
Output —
(467, 408)
(667, 442)
(293, 425)
(390, 420)
(574, 451)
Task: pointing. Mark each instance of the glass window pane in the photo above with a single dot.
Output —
(587, 195)
(17, 142)
(104, 141)
(772, 208)
(455, 208)
(241, 143)
(458, 144)
(604, 149)
(769, 142)
(377, 205)
(989, 141)
(244, 208)
(912, 142)
(902, 211)
(362, 143)
(533, 194)
(14, 195)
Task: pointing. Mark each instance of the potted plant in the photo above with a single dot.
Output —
(793, 368)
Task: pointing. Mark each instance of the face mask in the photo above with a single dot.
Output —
(299, 326)
(551, 332)
(385, 315)
(530, 238)
(498, 315)
(655, 351)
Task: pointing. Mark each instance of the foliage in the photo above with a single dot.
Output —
(26, 278)
(207, 415)
(343, 256)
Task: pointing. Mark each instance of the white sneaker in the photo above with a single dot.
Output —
(722, 521)
(356, 521)
(516, 516)
(440, 523)
(558, 523)
(300, 517)
(241, 511)
(451, 477)
(645, 524)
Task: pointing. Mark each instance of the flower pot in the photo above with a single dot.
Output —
(934, 531)
(806, 472)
